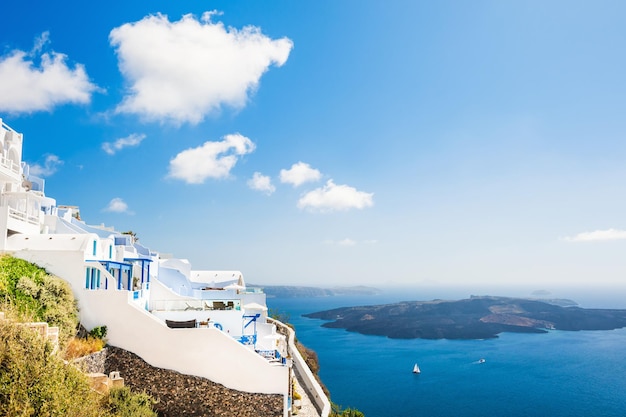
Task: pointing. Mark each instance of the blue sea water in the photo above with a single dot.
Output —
(554, 374)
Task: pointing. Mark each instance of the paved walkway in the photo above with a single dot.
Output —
(307, 409)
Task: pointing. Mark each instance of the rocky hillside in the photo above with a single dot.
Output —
(182, 395)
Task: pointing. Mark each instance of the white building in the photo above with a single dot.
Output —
(203, 323)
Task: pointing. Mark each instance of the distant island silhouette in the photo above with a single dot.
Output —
(479, 317)
(298, 291)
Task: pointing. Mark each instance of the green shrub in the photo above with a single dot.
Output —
(35, 295)
(122, 402)
(337, 411)
(35, 383)
(279, 315)
(99, 332)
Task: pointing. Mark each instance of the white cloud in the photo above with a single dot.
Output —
(211, 160)
(299, 173)
(598, 235)
(260, 182)
(50, 166)
(130, 140)
(181, 71)
(26, 87)
(117, 205)
(333, 197)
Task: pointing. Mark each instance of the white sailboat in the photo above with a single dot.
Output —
(416, 369)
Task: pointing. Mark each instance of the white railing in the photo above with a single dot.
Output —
(24, 217)
(195, 305)
(9, 164)
(7, 127)
(253, 290)
(310, 384)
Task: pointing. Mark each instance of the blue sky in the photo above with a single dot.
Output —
(335, 142)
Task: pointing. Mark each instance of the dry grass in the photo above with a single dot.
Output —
(77, 347)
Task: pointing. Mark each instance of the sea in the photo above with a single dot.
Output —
(559, 373)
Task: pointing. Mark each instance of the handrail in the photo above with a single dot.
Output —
(19, 215)
(316, 393)
(7, 127)
(9, 164)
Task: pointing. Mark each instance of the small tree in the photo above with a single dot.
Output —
(281, 316)
(132, 234)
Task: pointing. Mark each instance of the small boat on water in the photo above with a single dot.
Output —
(416, 369)
(481, 360)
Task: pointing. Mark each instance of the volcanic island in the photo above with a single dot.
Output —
(478, 317)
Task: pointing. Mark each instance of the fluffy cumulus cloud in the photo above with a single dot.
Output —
(117, 205)
(262, 183)
(50, 166)
(38, 81)
(129, 141)
(211, 160)
(181, 71)
(299, 173)
(598, 235)
(334, 197)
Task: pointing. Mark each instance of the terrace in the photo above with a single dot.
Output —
(195, 305)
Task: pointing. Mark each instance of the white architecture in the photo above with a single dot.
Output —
(203, 323)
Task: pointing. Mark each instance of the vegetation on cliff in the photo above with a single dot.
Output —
(34, 381)
(34, 295)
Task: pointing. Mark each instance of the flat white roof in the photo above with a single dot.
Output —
(50, 242)
(217, 277)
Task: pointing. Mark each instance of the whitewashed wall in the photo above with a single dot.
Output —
(207, 353)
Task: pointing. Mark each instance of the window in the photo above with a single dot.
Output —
(92, 278)
(95, 245)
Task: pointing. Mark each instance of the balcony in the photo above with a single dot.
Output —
(195, 305)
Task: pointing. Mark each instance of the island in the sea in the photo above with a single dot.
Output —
(479, 317)
(295, 291)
